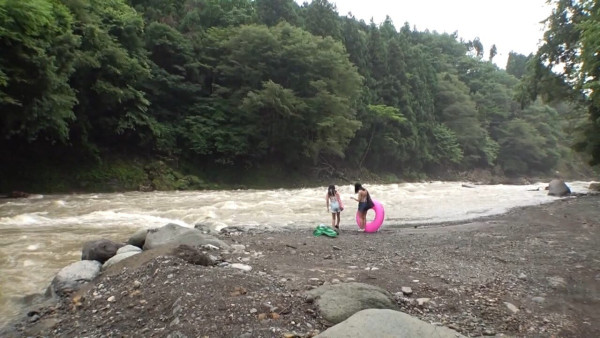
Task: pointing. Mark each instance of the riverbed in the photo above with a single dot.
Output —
(41, 234)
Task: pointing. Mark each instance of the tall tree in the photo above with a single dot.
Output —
(493, 52)
(572, 41)
(271, 12)
(35, 64)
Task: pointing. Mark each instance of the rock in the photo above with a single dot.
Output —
(406, 290)
(558, 188)
(338, 302)
(119, 257)
(240, 266)
(386, 323)
(193, 255)
(138, 238)
(538, 300)
(99, 250)
(511, 307)
(71, 277)
(177, 235)
(128, 248)
(594, 186)
(18, 194)
(238, 248)
(557, 282)
(422, 301)
(522, 276)
(211, 228)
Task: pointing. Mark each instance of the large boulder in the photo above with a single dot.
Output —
(119, 257)
(73, 276)
(558, 188)
(594, 186)
(128, 248)
(174, 234)
(138, 238)
(338, 302)
(100, 250)
(386, 323)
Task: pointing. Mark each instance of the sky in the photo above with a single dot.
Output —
(513, 25)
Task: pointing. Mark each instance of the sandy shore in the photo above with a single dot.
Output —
(534, 271)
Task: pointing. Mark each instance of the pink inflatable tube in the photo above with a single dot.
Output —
(375, 224)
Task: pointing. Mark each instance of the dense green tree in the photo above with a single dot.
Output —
(571, 42)
(271, 12)
(35, 64)
(493, 52)
(110, 69)
(271, 82)
(516, 65)
(458, 112)
(285, 83)
(321, 18)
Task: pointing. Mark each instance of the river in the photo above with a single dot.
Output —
(41, 234)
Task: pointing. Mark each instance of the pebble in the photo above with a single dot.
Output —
(253, 310)
(522, 276)
(422, 301)
(137, 284)
(538, 300)
(111, 299)
(406, 290)
(511, 307)
(243, 267)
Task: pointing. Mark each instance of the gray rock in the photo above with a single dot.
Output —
(511, 307)
(119, 257)
(338, 302)
(71, 277)
(128, 248)
(386, 323)
(558, 188)
(211, 228)
(99, 250)
(138, 238)
(176, 235)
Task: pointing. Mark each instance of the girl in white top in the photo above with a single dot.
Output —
(334, 205)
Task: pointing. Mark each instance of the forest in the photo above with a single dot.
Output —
(171, 94)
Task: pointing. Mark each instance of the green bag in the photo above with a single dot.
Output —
(324, 230)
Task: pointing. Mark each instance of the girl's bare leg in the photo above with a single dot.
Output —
(332, 220)
(337, 225)
(363, 220)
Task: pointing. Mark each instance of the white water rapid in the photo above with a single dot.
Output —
(41, 234)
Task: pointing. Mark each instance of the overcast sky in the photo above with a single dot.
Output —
(513, 25)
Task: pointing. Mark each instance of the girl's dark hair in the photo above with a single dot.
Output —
(358, 187)
(331, 190)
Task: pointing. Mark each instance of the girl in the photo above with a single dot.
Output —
(364, 204)
(334, 205)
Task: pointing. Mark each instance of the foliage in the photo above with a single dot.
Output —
(219, 86)
(572, 41)
(37, 59)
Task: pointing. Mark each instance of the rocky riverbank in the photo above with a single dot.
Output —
(532, 272)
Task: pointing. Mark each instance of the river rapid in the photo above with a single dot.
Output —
(42, 234)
